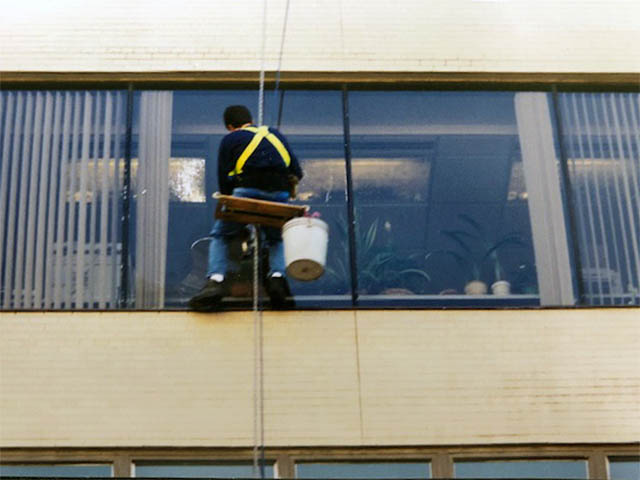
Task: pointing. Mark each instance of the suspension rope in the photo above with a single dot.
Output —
(258, 334)
(279, 69)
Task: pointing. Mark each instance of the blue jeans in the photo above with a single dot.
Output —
(224, 231)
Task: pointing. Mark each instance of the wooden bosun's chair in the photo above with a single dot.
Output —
(256, 212)
(250, 211)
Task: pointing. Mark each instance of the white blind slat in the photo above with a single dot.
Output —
(62, 233)
(10, 292)
(82, 201)
(8, 110)
(71, 252)
(53, 206)
(115, 188)
(43, 205)
(104, 199)
(36, 160)
(21, 226)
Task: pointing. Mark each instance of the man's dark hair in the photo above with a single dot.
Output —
(237, 115)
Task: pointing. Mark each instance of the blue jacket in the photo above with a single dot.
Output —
(265, 169)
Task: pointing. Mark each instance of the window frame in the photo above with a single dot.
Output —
(549, 83)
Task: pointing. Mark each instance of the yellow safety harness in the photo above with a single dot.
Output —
(260, 133)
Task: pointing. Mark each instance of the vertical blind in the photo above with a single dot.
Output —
(152, 198)
(59, 198)
(602, 143)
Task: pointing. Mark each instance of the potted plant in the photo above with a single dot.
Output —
(381, 268)
(475, 248)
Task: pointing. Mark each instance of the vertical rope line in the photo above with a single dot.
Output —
(258, 393)
(278, 70)
(256, 362)
(262, 64)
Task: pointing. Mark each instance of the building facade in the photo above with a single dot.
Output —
(446, 144)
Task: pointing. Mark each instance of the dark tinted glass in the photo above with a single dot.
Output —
(195, 125)
(440, 197)
(312, 121)
(228, 470)
(60, 471)
(363, 470)
(522, 469)
(624, 469)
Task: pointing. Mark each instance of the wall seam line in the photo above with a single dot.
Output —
(359, 377)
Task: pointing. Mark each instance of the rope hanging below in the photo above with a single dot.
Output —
(258, 378)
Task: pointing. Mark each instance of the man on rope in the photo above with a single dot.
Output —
(253, 162)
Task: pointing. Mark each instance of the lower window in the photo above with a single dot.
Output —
(363, 470)
(198, 470)
(624, 468)
(521, 469)
(56, 470)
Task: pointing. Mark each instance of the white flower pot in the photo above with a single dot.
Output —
(501, 287)
(476, 287)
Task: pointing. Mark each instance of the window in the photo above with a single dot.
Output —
(176, 137)
(363, 470)
(55, 470)
(440, 197)
(602, 146)
(60, 237)
(313, 124)
(198, 470)
(621, 468)
(460, 198)
(521, 469)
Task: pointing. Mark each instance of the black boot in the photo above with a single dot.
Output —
(208, 298)
(278, 290)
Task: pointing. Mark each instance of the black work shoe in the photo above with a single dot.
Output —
(208, 299)
(278, 290)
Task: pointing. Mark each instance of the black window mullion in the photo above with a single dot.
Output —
(126, 202)
(351, 229)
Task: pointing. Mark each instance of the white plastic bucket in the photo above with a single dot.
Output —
(305, 247)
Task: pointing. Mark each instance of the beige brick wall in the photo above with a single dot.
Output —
(324, 35)
(331, 378)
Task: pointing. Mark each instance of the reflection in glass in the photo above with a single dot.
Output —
(364, 470)
(186, 470)
(196, 129)
(522, 469)
(312, 122)
(624, 469)
(440, 196)
(59, 470)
